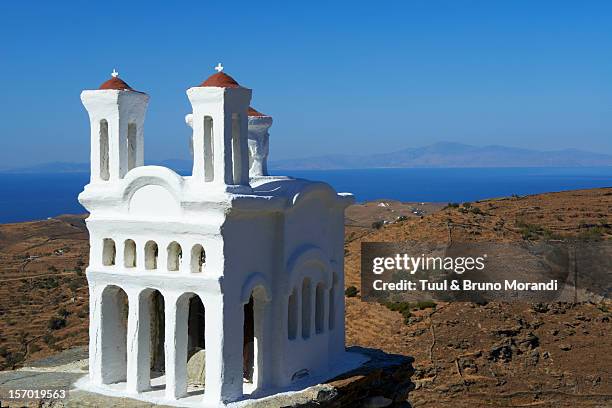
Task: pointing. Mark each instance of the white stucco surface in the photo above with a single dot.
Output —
(264, 255)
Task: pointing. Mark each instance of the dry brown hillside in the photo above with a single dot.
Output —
(496, 354)
(466, 355)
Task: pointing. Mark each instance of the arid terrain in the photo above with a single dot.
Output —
(466, 355)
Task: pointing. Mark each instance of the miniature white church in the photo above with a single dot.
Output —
(242, 269)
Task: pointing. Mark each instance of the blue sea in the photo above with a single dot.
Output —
(25, 197)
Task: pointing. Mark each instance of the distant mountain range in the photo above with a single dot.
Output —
(442, 154)
(446, 154)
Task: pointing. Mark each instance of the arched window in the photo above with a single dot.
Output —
(108, 252)
(129, 254)
(104, 170)
(236, 149)
(292, 315)
(198, 258)
(151, 255)
(175, 256)
(319, 308)
(306, 308)
(131, 145)
(209, 169)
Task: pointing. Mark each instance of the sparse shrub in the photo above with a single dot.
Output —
(52, 268)
(476, 210)
(405, 308)
(378, 224)
(3, 352)
(425, 304)
(591, 234)
(402, 307)
(56, 323)
(402, 218)
(467, 205)
(74, 286)
(49, 339)
(34, 348)
(534, 231)
(63, 312)
(351, 291)
(452, 205)
(12, 359)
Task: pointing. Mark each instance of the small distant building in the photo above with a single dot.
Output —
(229, 271)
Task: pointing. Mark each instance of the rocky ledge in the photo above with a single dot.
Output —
(384, 381)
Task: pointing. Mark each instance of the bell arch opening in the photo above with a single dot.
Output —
(132, 145)
(104, 150)
(209, 168)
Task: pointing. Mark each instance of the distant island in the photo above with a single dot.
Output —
(445, 154)
(437, 155)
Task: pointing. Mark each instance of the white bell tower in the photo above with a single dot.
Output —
(116, 114)
(220, 132)
(259, 146)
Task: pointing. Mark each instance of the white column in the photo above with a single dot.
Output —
(120, 253)
(185, 266)
(162, 258)
(139, 342)
(223, 150)
(95, 333)
(263, 336)
(224, 342)
(198, 170)
(140, 254)
(325, 323)
(177, 311)
(298, 332)
(313, 308)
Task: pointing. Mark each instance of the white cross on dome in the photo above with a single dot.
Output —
(219, 67)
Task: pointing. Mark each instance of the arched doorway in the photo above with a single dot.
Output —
(114, 308)
(253, 340)
(156, 306)
(191, 355)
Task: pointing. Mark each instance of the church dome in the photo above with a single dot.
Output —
(116, 83)
(221, 80)
(255, 113)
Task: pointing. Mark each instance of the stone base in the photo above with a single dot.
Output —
(383, 380)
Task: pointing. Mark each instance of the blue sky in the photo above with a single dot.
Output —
(341, 76)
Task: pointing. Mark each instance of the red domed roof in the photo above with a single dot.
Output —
(116, 83)
(255, 113)
(222, 80)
